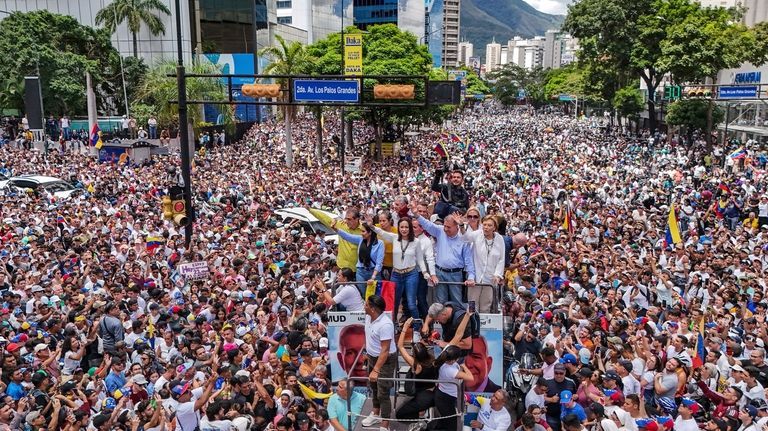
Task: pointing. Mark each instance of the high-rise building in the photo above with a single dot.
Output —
(466, 51)
(451, 32)
(408, 15)
(526, 53)
(492, 56)
(755, 11)
(559, 49)
(318, 18)
(434, 16)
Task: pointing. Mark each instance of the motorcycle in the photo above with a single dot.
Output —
(518, 382)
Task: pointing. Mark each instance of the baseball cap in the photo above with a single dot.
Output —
(585, 372)
(31, 416)
(559, 367)
(759, 404)
(181, 388)
(569, 358)
(37, 288)
(566, 397)
(40, 347)
(739, 368)
(750, 410)
(139, 379)
(12, 347)
(323, 342)
(691, 404)
(648, 424)
(611, 375)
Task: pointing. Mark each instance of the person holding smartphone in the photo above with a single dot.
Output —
(423, 367)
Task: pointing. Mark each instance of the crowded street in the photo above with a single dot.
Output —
(627, 272)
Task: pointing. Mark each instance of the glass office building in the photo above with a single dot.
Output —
(406, 14)
(226, 26)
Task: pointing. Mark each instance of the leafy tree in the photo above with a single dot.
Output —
(387, 50)
(287, 59)
(157, 90)
(703, 42)
(565, 80)
(510, 79)
(135, 13)
(628, 102)
(134, 70)
(62, 51)
(692, 114)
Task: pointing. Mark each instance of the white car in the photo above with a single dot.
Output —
(308, 221)
(40, 183)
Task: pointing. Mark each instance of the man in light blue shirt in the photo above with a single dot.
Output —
(337, 406)
(453, 257)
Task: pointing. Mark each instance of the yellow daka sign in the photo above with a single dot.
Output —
(353, 54)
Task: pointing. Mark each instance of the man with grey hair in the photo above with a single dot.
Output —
(453, 257)
(449, 317)
(337, 406)
(399, 208)
(494, 416)
(757, 360)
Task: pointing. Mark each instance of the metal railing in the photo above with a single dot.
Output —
(459, 398)
(495, 302)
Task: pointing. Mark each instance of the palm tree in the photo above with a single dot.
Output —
(135, 12)
(286, 60)
(157, 89)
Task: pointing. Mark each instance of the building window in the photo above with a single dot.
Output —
(285, 20)
(284, 4)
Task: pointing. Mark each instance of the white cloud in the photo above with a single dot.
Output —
(558, 7)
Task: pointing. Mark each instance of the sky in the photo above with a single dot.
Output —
(550, 6)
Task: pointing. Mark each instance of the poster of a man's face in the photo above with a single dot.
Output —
(351, 344)
(480, 364)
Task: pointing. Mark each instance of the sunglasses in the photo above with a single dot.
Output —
(473, 216)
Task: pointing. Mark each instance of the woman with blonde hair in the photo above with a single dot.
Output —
(488, 253)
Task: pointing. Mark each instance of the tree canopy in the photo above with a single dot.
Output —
(134, 13)
(63, 51)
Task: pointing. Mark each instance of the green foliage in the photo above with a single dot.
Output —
(692, 114)
(135, 69)
(475, 84)
(142, 111)
(158, 90)
(703, 41)
(628, 101)
(134, 13)
(565, 80)
(286, 59)
(62, 50)
(510, 79)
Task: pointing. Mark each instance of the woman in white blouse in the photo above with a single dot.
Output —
(407, 264)
(488, 254)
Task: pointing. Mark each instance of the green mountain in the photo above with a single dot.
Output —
(482, 20)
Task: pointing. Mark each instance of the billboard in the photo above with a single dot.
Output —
(236, 64)
(353, 54)
(346, 343)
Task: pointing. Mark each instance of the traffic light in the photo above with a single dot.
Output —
(167, 208)
(261, 90)
(179, 211)
(698, 92)
(174, 207)
(392, 91)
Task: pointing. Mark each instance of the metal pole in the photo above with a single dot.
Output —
(122, 72)
(342, 146)
(256, 4)
(727, 118)
(186, 159)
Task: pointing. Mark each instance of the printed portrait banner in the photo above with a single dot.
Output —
(346, 342)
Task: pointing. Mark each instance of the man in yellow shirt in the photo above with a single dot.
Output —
(347, 257)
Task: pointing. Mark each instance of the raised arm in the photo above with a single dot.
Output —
(430, 227)
(384, 235)
(354, 239)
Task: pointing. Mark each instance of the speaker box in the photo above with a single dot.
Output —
(444, 93)
(33, 102)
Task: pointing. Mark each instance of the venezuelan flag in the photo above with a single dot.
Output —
(471, 148)
(738, 154)
(60, 219)
(383, 288)
(455, 137)
(719, 208)
(154, 242)
(441, 150)
(724, 187)
(673, 231)
(698, 358)
(567, 222)
(96, 137)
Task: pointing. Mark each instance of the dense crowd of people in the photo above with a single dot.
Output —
(632, 270)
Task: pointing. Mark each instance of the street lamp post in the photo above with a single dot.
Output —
(186, 157)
